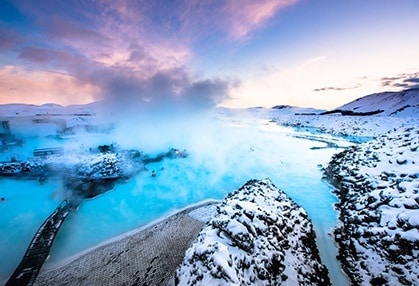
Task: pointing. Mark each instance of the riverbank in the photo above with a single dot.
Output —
(377, 186)
(149, 255)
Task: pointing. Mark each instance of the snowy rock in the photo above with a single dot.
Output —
(258, 236)
(31, 168)
(378, 239)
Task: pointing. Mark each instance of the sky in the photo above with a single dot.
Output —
(202, 54)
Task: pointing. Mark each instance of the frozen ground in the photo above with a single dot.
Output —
(353, 128)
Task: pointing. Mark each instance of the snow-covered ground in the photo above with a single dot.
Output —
(258, 236)
(354, 128)
(398, 109)
(378, 187)
(51, 109)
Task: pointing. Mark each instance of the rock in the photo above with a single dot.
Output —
(258, 236)
(378, 238)
(401, 160)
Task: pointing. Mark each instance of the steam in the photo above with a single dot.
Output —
(174, 91)
(153, 114)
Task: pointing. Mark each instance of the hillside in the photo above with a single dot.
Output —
(402, 103)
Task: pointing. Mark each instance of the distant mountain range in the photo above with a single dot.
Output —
(399, 103)
(392, 103)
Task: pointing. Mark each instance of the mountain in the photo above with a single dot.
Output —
(400, 103)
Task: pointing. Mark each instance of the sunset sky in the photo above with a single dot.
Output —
(205, 53)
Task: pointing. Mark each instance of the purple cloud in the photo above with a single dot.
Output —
(174, 90)
(36, 55)
(69, 30)
(336, 88)
(9, 39)
(404, 80)
(137, 52)
(412, 79)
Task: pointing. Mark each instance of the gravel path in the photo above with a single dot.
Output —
(147, 257)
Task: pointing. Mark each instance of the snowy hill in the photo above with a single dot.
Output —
(402, 103)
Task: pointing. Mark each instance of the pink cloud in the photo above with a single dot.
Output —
(108, 49)
(135, 44)
(37, 87)
(235, 18)
(245, 16)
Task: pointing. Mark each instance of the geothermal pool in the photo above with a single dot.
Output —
(222, 157)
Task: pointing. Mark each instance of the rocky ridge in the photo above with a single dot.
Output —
(258, 236)
(378, 189)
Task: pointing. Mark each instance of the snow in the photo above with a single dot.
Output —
(354, 128)
(378, 185)
(203, 214)
(258, 236)
(403, 103)
(411, 235)
(21, 110)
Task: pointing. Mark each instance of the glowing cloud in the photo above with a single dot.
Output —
(245, 16)
(37, 87)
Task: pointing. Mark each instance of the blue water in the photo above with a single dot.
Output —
(221, 160)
